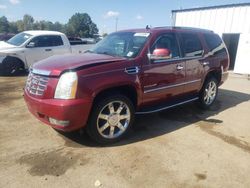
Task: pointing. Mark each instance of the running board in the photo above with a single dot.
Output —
(166, 107)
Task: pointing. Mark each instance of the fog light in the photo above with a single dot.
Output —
(58, 122)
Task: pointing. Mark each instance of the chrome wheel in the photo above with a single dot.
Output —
(113, 120)
(210, 92)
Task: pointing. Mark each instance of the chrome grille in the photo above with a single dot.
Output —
(36, 84)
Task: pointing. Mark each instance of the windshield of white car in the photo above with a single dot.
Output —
(121, 44)
(19, 39)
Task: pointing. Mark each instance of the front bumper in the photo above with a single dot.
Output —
(76, 111)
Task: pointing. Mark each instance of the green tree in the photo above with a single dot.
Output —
(81, 25)
(13, 27)
(4, 25)
(28, 22)
(20, 25)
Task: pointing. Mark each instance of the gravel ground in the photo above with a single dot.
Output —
(181, 147)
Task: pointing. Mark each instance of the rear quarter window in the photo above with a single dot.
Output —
(214, 43)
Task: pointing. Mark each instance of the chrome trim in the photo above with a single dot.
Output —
(179, 67)
(41, 72)
(36, 84)
(205, 63)
(177, 59)
(152, 85)
(132, 70)
(167, 107)
(175, 85)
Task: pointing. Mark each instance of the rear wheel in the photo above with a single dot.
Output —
(208, 93)
(111, 119)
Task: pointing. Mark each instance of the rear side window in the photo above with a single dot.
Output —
(191, 45)
(214, 43)
(47, 41)
(56, 40)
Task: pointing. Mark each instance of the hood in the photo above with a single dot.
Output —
(55, 65)
(5, 46)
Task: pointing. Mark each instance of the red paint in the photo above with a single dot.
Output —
(97, 73)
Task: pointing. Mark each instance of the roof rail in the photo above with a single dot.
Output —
(184, 28)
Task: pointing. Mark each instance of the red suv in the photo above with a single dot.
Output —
(129, 72)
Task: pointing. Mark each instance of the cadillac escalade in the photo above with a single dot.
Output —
(129, 72)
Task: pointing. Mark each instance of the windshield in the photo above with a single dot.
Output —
(122, 44)
(19, 39)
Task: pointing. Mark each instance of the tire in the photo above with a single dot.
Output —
(11, 66)
(208, 93)
(111, 119)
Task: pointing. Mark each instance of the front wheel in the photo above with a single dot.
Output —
(111, 119)
(208, 93)
(11, 66)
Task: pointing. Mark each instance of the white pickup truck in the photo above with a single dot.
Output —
(28, 47)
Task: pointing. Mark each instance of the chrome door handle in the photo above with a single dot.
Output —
(48, 50)
(179, 67)
(205, 63)
(132, 70)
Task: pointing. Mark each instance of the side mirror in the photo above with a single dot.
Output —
(30, 45)
(159, 54)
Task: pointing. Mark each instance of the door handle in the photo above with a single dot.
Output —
(48, 50)
(132, 70)
(205, 63)
(179, 67)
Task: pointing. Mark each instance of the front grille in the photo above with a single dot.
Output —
(36, 84)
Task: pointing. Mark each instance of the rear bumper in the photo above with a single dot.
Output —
(75, 111)
(224, 77)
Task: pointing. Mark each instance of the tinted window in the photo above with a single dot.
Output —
(167, 41)
(47, 41)
(214, 43)
(191, 45)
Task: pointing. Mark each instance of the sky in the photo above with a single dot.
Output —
(105, 13)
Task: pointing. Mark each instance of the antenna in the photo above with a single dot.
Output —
(148, 27)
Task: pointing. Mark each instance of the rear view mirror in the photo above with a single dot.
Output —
(160, 53)
(31, 45)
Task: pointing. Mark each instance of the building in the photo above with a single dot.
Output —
(231, 22)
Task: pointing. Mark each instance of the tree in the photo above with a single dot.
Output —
(4, 25)
(13, 27)
(28, 22)
(81, 25)
(20, 26)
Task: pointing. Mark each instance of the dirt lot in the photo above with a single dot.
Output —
(182, 147)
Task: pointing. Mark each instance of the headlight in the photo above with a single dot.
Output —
(66, 86)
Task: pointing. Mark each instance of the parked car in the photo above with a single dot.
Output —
(76, 41)
(89, 40)
(6, 36)
(28, 47)
(129, 72)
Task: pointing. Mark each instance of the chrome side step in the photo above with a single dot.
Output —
(167, 107)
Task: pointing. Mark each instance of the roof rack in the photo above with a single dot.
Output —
(184, 28)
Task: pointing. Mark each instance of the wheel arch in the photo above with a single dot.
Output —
(216, 73)
(16, 59)
(126, 90)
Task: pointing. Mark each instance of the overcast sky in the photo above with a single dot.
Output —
(130, 13)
